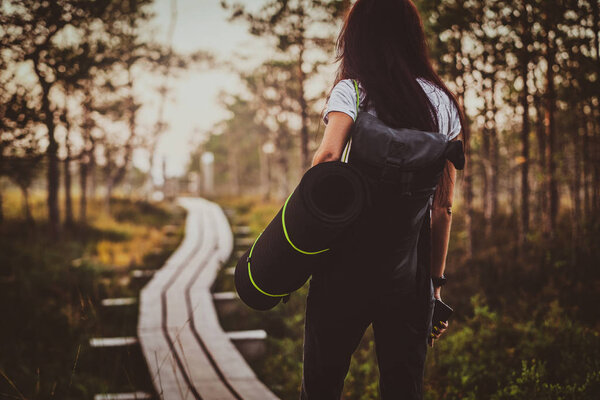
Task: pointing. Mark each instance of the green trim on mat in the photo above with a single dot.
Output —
(357, 98)
(345, 153)
(250, 274)
(287, 236)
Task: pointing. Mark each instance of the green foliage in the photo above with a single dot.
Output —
(491, 354)
(531, 383)
(517, 334)
(50, 293)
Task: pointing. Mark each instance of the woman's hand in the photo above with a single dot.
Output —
(437, 331)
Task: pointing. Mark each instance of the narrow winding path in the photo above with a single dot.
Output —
(188, 353)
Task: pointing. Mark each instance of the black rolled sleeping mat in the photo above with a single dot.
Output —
(329, 199)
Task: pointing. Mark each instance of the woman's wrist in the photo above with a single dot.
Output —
(437, 292)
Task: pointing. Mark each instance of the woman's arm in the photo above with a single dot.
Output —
(441, 220)
(334, 138)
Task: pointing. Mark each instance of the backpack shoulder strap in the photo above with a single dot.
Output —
(357, 97)
(346, 152)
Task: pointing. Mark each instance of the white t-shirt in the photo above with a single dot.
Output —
(343, 98)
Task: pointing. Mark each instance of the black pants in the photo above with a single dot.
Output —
(339, 310)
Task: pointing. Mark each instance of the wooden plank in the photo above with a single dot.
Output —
(119, 301)
(241, 230)
(142, 273)
(230, 271)
(124, 396)
(225, 296)
(244, 242)
(256, 334)
(113, 341)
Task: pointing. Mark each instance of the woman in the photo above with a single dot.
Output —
(382, 46)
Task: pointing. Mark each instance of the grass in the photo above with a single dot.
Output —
(50, 294)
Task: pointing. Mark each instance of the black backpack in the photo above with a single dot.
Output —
(403, 167)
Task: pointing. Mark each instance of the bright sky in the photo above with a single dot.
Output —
(193, 104)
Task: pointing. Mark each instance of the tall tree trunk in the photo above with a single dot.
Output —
(304, 155)
(586, 167)
(576, 177)
(93, 174)
(552, 183)
(265, 173)
(26, 205)
(595, 173)
(524, 217)
(540, 134)
(596, 163)
(121, 171)
(83, 175)
(524, 63)
(52, 173)
(1, 206)
(467, 183)
(282, 163)
(486, 171)
(108, 197)
(67, 167)
(52, 156)
(234, 170)
(596, 30)
(494, 156)
(67, 190)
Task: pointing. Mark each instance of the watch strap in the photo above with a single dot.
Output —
(438, 281)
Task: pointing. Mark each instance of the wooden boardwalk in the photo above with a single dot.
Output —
(188, 354)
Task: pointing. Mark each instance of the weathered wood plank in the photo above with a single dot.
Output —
(124, 396)
(113, 341)
(119, 301)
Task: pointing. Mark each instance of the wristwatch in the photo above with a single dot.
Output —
(439, 281)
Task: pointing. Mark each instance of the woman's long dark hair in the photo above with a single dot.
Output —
(382, 45)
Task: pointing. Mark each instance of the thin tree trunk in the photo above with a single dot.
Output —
(524, 220)
(93, 174)
(552, 184)
(596, 163)
(67, 168)
(585, 159)
(524, 61)
(542, 214)
(265, 178)
(235, 171)
(83, 174)
(67, 190)
(576, 179)
(486, 174)
(304, 156)
(494, 160)
(26, 206)
(282, 162)
(52, 173)
(107, 199)
(52, 156)
(121, 171)
(467, 183)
